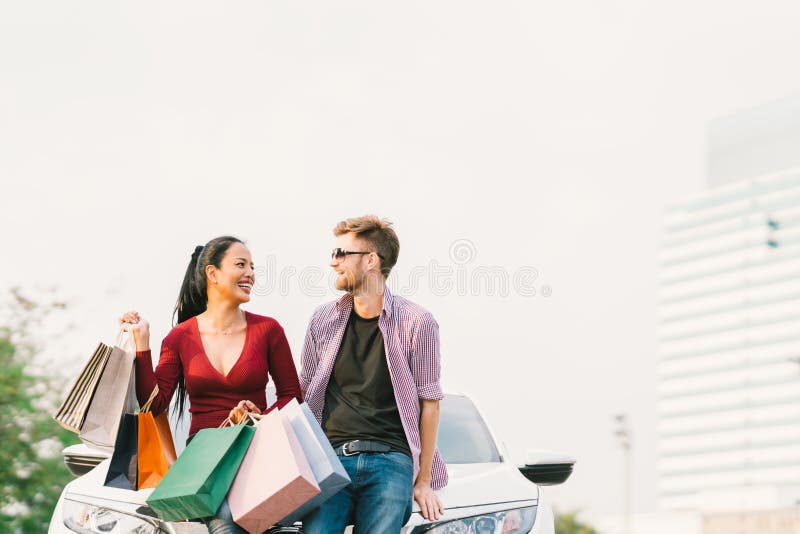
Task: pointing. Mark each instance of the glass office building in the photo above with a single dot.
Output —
(729, 399)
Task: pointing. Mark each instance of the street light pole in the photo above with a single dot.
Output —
(623, 433)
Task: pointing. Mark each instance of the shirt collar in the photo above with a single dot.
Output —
(346, 302)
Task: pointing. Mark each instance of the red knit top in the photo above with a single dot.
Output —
(212, 395)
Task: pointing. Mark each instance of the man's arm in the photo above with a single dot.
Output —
(309, 358)
(426, 367)
(429, 503)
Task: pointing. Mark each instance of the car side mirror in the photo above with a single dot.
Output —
(547, 468)
(81, 459)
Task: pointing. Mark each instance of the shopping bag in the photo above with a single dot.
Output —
(115, 394)
(326, 466)
(72, 412)
(122, 470)
(165, 434)
(274, 478)
(151, 461)
(198, 481)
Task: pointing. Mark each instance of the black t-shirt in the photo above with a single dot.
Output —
(359, 401)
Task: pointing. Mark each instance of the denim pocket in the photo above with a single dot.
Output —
(399, 458)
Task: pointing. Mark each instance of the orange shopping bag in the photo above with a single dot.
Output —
(162, 424)
(152, 462)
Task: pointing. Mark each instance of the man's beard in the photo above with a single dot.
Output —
(349, 282)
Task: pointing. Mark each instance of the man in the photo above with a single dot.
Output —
(370, 374)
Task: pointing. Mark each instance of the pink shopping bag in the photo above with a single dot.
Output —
(274, 479)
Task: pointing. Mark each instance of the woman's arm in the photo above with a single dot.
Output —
(282, 369)
(166, 374)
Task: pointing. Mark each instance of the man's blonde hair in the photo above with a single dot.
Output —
(378, 233)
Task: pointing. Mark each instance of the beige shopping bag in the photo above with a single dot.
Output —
(274, 479)
(72, 412)
(115, 394)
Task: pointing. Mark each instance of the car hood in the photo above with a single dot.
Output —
(482, 484)
(91, 485)
(469, 485)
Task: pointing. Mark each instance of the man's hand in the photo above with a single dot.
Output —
(429, 504)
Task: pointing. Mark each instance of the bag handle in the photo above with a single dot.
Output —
(227, 422)
(250, 416)
(120, 335)
(124, 340)
(146, 407)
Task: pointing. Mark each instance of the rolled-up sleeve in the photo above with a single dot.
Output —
(309, 357)
(425, 359)
(165, 376)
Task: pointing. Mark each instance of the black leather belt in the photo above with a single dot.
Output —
(357, 446)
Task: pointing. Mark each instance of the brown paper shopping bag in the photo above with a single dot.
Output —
(114, 395)
(72, 412)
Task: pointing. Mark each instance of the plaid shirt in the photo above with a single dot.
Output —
(411, 340)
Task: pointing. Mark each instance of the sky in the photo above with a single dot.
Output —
(538, 142)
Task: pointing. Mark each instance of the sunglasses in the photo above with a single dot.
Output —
(340, 253)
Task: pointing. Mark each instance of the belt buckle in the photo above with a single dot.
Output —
(345, 448)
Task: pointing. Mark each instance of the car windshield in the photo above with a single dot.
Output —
(463, 436)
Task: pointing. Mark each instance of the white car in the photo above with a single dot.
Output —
(487, 494)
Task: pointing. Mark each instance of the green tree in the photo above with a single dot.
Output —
(32, 472)
(568, 524)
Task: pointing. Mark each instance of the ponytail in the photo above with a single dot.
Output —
(193, 296)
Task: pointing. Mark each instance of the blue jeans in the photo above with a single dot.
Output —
(223, 523)
(377, 501)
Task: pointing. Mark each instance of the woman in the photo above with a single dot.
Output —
(218, 355)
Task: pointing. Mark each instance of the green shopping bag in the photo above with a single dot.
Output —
(198, 481)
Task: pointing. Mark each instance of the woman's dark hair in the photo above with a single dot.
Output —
(193, 297)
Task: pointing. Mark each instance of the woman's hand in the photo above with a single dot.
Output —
(139, 327)
(238, 414)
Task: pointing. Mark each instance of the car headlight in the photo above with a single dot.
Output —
(516, 521)
(87, 518)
